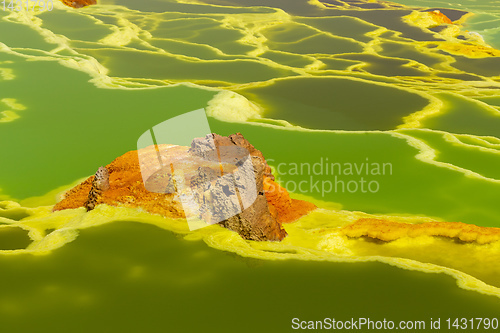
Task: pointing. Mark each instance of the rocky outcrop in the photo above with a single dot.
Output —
(387, 231)
(100, 183)
(231, 185)
(238, 140)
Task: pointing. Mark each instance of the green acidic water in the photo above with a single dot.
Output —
(338, 89)
(435, 191)
(147, 280)
(57, 141)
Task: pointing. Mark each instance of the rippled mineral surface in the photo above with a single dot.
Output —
(371, 110)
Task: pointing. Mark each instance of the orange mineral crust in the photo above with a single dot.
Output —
(79, 3)
(284, 208)
(387, 231)
(439, 17)
(126, 190)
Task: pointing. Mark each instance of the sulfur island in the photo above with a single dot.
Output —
(345, 164)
